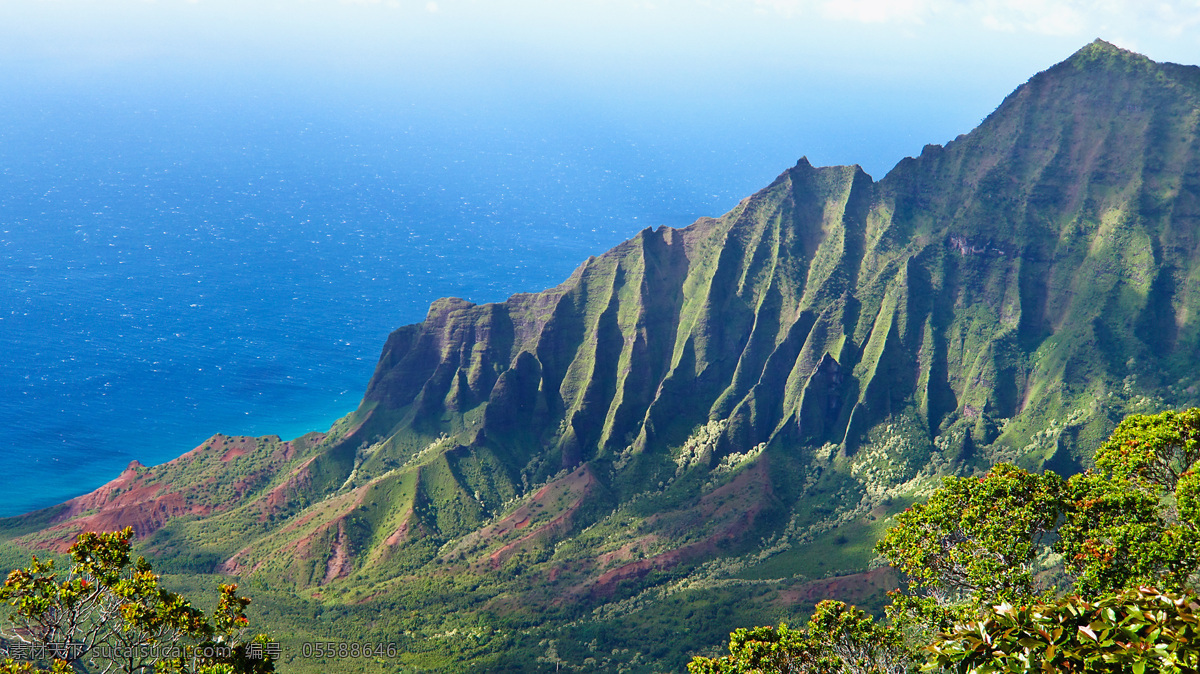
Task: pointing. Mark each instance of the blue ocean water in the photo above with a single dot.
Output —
(172, 267)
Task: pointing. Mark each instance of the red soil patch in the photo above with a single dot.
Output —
(297, 548)
(575, 486)
(146, 499)
(277, 499)
(751, 485)
(340, 563)
(606, 584)
(239, 564)
(626, 551)
(234, 565)
(240, 446)
(736, 505)
(853, 588)
(579, 482)
(133, 473)
(304, 547)
(125, 501)
(146, 508)
(401, 532)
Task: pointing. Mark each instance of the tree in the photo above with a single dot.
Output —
(1135, 519)
(1118, 535)
(766, 649)
(839, 638)
(853, 639)
(1131, 631)
(1129, 525)
(976, 538)
(1152, 448)
(111, 612)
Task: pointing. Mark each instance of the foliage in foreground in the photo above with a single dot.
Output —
(110, 614)
(1122, 529)
(1127, 632)
(838, 638)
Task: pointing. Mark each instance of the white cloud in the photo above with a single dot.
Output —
(876, 11)
(787, 8)
(1047, 17)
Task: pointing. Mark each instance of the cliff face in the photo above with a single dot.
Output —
(1018, 275)
(748, 386)
(727, 318)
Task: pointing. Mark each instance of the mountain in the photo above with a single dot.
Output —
(709, 426)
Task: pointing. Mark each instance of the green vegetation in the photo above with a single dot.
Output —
(969, 555)
(838, 639)
(110, 613)
(977, 538)
(1132, 631)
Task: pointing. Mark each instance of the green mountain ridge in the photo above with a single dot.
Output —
(722, 417)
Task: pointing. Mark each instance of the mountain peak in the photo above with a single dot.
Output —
(1099, 52)
(1100, 45)
(1100, 82)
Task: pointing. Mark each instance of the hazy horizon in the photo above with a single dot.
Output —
(858, 81)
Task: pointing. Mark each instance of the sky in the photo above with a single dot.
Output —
(841, 81)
